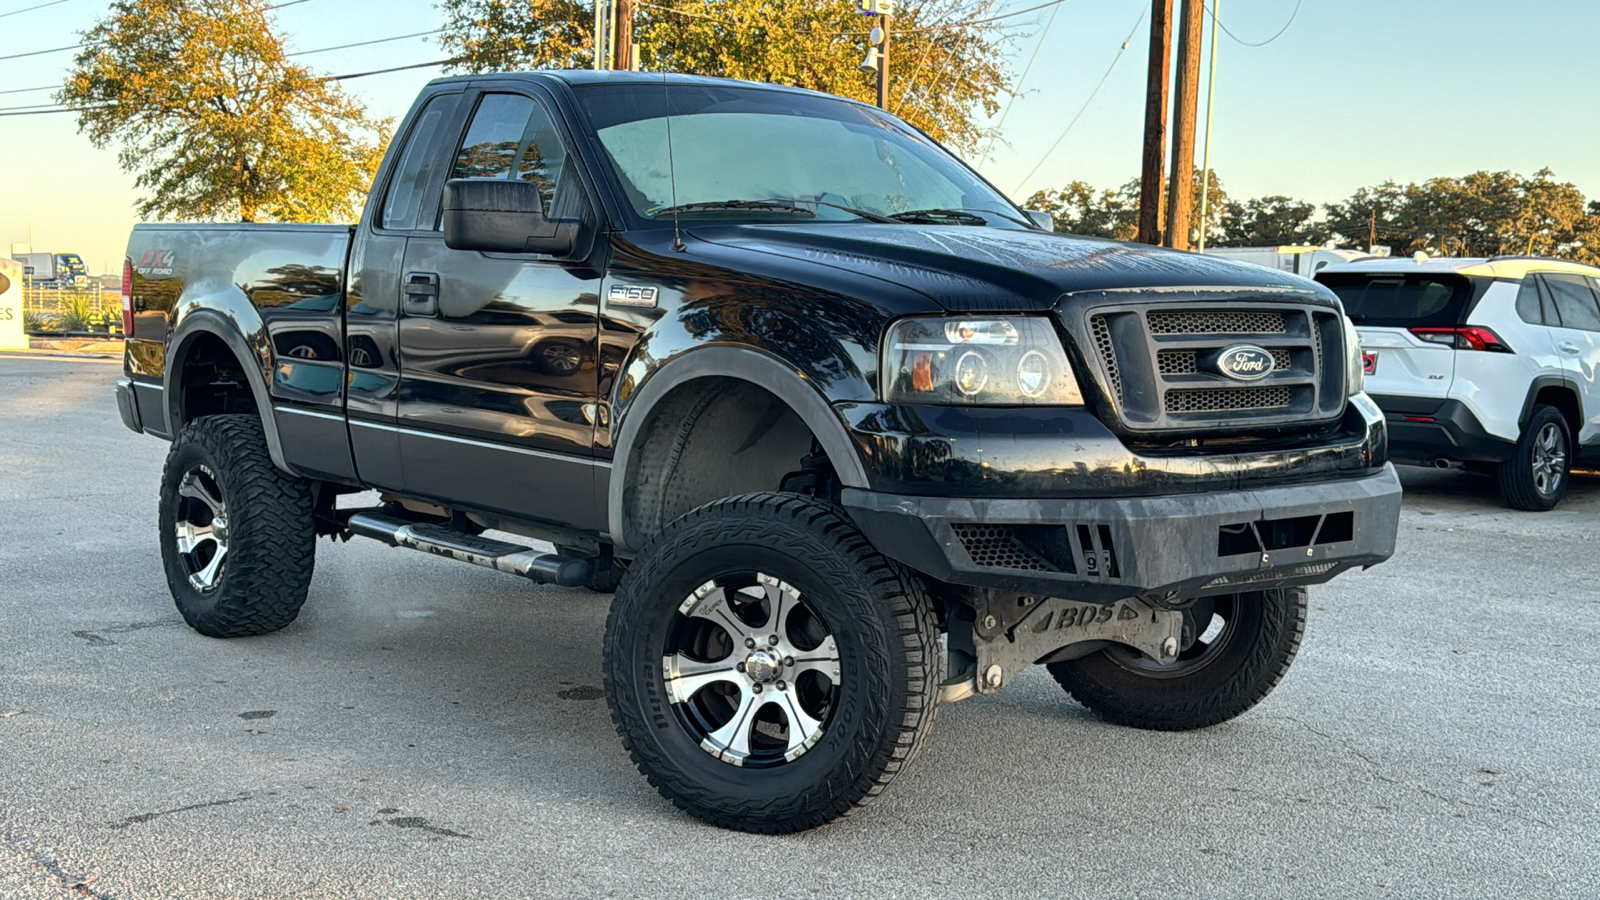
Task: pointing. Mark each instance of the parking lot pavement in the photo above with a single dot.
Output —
(428, 729)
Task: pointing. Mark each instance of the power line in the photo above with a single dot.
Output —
(1081, 109)
(18, 12)
(40, 52)
(426, 65)
(386, 40)
(80, 46)
(1258, 43)
(1024, 77)
(48, 87)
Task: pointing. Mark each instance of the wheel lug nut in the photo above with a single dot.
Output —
(750, 643)
(757, 689)
(741, 667)
(781, 686)
(773, 640)
(788, 660)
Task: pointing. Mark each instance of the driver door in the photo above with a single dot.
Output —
(498, 383)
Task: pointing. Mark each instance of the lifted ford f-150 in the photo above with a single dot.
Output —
(854, 434)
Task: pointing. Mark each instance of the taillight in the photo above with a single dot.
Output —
(1471, 337)
(127, 297)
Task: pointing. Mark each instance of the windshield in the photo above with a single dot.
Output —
(825, 159)
(1401, 300)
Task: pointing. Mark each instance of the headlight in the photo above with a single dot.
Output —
(1354, 367)
(977, 362)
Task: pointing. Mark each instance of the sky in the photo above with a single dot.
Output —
(1353, 93)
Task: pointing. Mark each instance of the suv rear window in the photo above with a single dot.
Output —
(1396, 300)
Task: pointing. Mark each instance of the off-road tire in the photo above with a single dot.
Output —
(1243, 670)
(878, 613)
(267, 572)
(1515, 476)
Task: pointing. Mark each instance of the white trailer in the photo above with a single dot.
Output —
(1302, 261)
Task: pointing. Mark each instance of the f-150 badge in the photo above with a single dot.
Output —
(631, 295)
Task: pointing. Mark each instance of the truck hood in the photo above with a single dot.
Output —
(970, 269)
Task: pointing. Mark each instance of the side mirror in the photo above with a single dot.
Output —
(1042, 219)
(499, 216)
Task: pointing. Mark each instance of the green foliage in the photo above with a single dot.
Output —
(1269, 222)
(1481, 214)
(35, 323)
(945, 67)
(1079, 209)
(217, 123)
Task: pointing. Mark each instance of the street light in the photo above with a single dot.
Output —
(878, 54)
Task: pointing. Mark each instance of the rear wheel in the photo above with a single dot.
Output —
(1237, 647)
(238, 540)
(767, 669)
(1535, 477)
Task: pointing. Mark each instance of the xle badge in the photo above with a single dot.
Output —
(630, 295)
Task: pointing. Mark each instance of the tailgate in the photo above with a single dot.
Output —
(1399, 363)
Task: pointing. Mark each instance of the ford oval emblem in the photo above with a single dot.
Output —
(1245, 362)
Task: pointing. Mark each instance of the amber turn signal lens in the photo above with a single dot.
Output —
(922, 372)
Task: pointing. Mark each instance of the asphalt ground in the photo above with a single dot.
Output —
(428, 729)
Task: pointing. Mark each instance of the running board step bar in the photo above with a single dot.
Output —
(440, 540)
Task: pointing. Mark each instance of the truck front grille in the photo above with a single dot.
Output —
(1161, 373)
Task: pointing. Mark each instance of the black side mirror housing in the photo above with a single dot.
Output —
(500, 216)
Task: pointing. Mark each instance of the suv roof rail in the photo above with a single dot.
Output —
(1509, 257)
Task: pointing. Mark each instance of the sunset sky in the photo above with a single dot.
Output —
(1352, 93)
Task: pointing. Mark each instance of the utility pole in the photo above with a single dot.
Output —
(1205, 156)
(624, 38)
(1372, 230)
(883, 59)
(878, 53)
(1155, 122)
(1180, 196)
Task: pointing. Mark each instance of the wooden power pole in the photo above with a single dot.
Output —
(1180, 193)
(624, 35)
(1155, 122)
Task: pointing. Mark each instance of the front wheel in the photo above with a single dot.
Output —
(1237, 648)
(237, 535)
(767, 669)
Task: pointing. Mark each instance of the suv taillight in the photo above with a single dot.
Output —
(1470, 337)
(127, 298)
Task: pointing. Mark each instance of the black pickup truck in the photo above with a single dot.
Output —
(849, 434)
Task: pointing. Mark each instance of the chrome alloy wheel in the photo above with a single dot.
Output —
(752, 671)
(1549, 459)
(201, 527)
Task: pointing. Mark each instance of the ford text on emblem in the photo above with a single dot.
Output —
(1245, 363)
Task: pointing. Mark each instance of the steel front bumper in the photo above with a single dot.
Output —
(1161, 548)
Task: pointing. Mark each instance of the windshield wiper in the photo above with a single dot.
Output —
(964, 215)
(756, 205)
(865, 214)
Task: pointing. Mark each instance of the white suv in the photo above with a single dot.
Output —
(1490, 363)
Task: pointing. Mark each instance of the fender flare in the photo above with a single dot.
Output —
(239, 326)
(1551, 381)
(744, 364)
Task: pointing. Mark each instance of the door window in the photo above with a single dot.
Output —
(1529, 308)
(402, 207)
(511, 136)
(1574, 301)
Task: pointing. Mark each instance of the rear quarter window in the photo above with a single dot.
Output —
(1402, 300)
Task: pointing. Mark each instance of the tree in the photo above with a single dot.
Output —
(207, 109)
(1269, 221)
(1480, 214)
(1078, 209)
(946, 65)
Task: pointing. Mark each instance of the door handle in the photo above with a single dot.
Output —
(1570, 347)
(421, 290)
